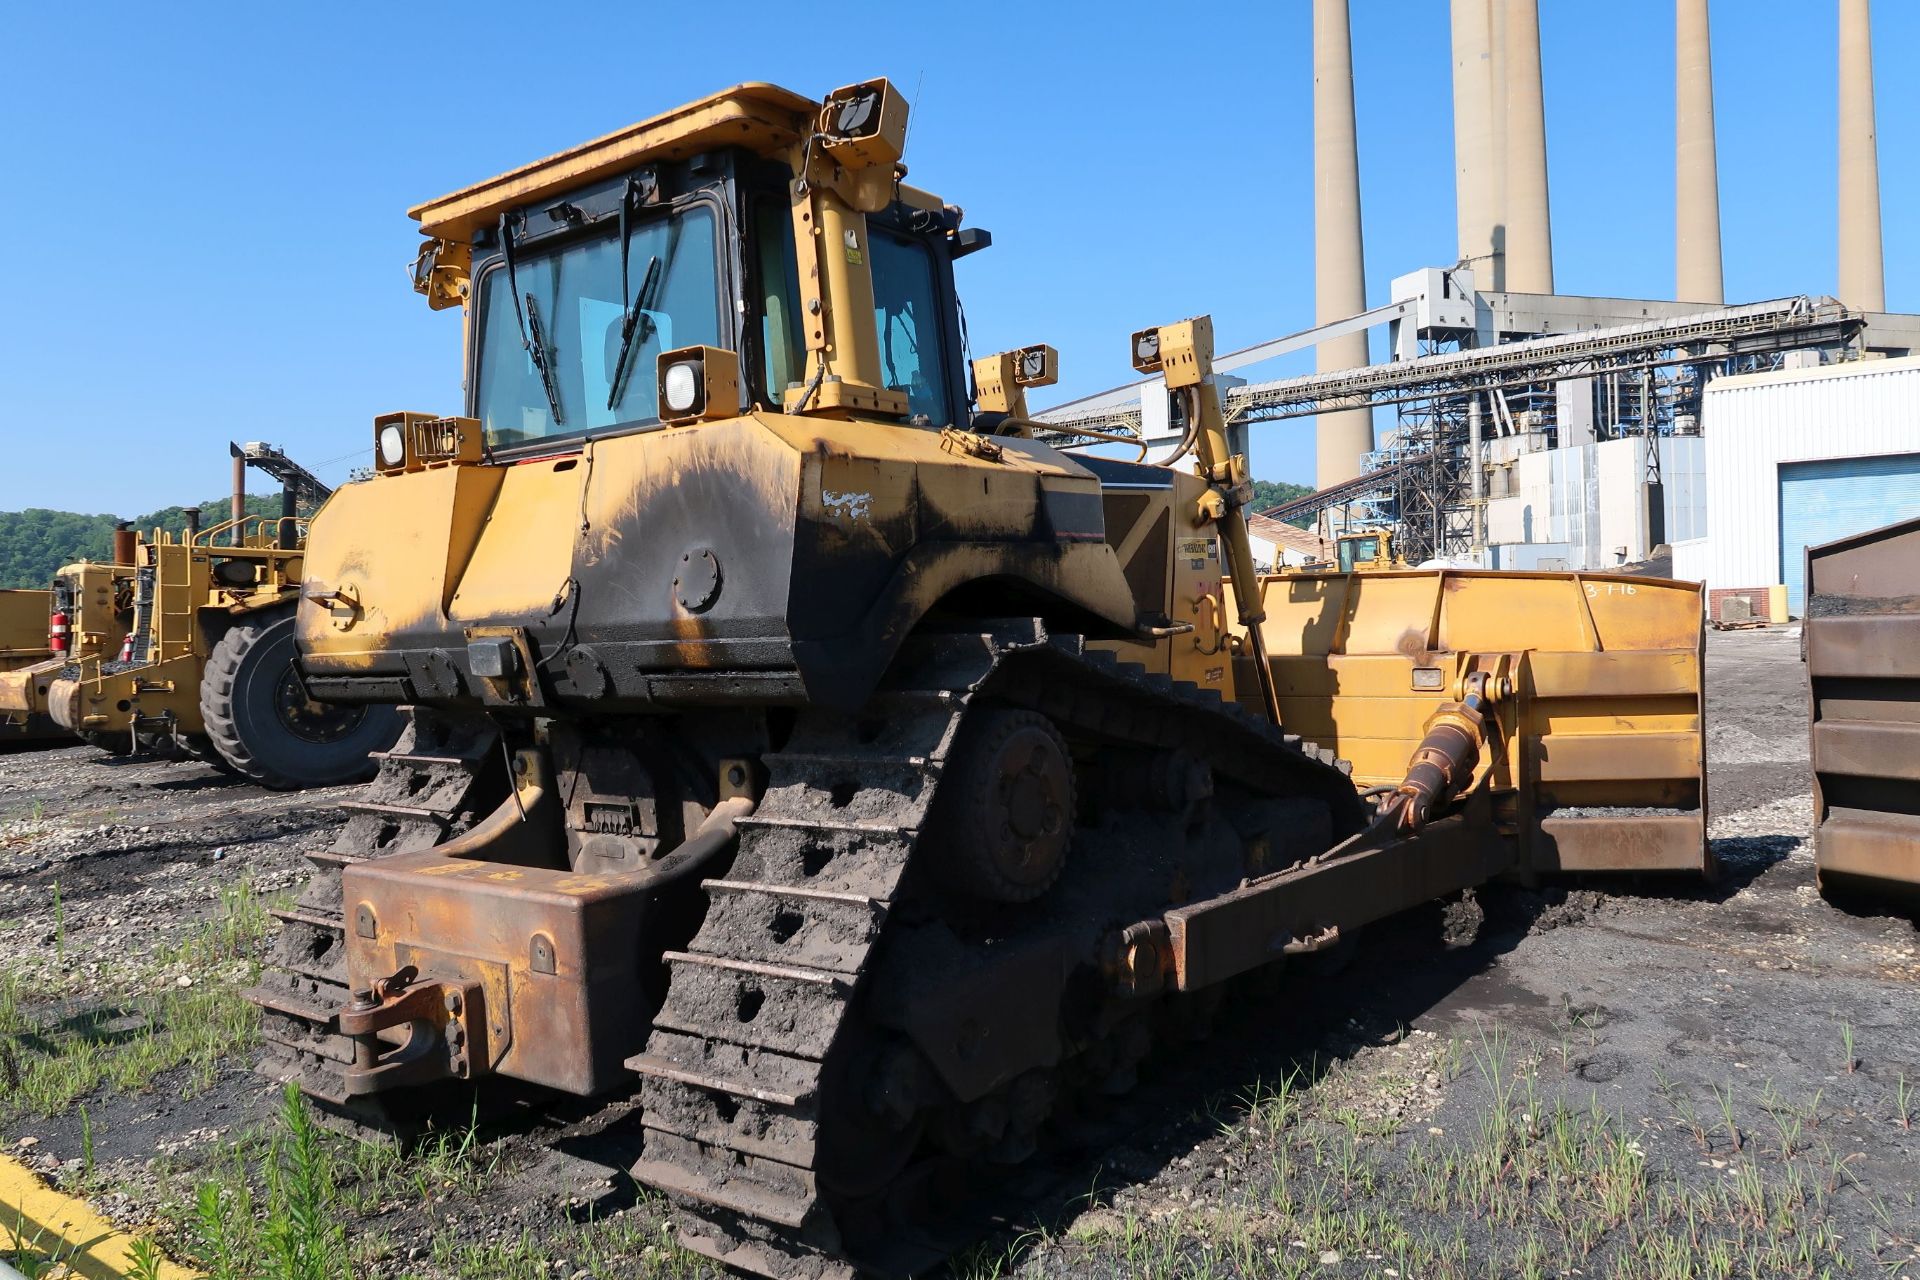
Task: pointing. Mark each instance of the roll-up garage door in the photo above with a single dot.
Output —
(1835, 497)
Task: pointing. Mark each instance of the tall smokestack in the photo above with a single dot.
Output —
(1696, 175)
(1529, 232)
(1862, 274)
(1477, 169)
(1341, 438)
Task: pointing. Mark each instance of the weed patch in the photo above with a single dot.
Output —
(50, 1057)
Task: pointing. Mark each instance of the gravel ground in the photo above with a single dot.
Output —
(1732, 1059)
(140, 850)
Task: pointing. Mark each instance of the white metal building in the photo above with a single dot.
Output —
(1589, 506)
(1799, 457)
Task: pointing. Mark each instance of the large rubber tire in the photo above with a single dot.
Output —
(199, 747)
(259, 720)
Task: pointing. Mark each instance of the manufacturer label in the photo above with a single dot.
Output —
(1197, 551)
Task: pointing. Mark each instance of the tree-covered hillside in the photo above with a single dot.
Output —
(34, 543)
(1268, 494)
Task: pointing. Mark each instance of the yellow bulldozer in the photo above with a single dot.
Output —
(25, 641)
(1366, 549)
(81, 621)
(805, 746)
(183, 647)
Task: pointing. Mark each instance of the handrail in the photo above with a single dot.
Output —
(258, 533)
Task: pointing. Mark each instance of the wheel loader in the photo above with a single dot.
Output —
(193, 657)
(801, 746)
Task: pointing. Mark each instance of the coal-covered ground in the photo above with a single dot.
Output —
(1617, 1078)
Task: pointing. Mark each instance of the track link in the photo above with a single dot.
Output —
(740, 1097)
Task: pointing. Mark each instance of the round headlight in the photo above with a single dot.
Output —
(682, 385)
(393, 446)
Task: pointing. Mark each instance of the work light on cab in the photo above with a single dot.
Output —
(681, 388)
(698, 382)
(393, 446)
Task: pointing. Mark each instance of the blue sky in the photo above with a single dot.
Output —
(208, 201)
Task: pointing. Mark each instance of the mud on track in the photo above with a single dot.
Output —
(1631, 1079)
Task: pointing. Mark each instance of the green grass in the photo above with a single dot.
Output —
(630, 1244)
(1542, 1181)
(35, 1253)
(275, 1206)
(47, 1063)
(30, 1251)
(50, 1067)
(293, 1230)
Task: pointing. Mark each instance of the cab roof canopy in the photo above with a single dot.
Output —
(763, 118)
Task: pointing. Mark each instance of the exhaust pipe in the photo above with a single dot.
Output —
(239, 496)
(123, 542)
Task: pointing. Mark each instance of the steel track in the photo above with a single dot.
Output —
(753, 1082)
(740, 1092)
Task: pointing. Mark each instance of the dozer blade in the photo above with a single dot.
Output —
(1863, 672)
(23, 689)
(1605, 765)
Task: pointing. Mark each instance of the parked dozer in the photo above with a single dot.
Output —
(24, 642)
(1861, 642)
(839, 767)
(80, 622)
(1366, 549)
(184, 648)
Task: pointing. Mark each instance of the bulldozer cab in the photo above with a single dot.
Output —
(579, 272)
(1371, 549)
(755, 266)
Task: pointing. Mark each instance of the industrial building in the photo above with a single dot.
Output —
(1531, 429)
(1795, 458)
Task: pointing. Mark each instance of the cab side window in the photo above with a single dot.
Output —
(907, 318)
(781, 342)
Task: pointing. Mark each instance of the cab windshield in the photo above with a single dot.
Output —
(1358, 551)
(571, 298)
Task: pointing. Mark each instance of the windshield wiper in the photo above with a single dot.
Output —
(532, 336)
(537, 347)
(636, 321)
(632, 311)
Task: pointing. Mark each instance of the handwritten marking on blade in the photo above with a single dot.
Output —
(848, 506)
